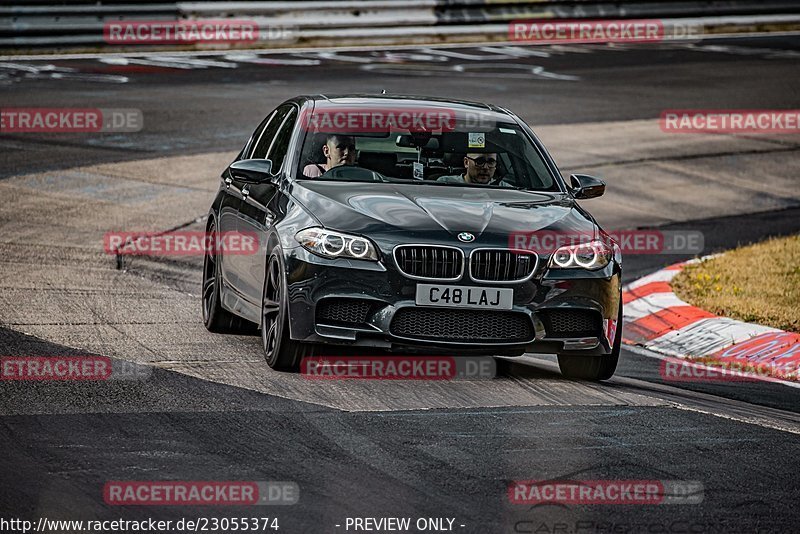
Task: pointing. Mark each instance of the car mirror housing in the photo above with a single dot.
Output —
(585, 186)
(417, 141)
(252, 171)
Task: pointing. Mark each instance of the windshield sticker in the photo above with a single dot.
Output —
(477, 140)
(419, 171)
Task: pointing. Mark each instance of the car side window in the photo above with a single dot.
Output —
(280, 144)
(261, 146)
(248, 148)
(507, 166)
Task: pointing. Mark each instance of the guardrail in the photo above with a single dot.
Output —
(34, 24)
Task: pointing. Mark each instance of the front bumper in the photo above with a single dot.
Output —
(374, 306)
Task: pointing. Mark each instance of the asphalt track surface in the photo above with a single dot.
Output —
(210, 409)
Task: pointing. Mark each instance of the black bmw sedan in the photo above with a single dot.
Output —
(411, 225)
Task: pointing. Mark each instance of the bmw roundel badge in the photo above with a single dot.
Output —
(466, 237)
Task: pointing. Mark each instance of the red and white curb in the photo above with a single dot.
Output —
(656, 319)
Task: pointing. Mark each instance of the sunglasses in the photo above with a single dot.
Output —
(483, 162)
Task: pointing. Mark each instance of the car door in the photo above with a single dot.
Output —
(257, 212)
(229, 217)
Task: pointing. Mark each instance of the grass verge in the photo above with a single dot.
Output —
(757, 284)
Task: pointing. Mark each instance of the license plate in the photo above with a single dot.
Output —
(465, 296)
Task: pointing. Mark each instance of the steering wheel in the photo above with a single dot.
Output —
(352, 173)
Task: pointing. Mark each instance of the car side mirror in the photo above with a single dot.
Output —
(585, 186)
(252, 171)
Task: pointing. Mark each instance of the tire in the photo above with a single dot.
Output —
(281, 352)
(216, 318)
(594, 368)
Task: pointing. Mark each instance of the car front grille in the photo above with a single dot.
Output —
(571, 323)
(345, 312)
(431, 262)
(501, 265)
(463, 326)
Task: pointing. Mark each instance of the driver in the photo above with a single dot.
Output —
(480, 168)
(338, 149)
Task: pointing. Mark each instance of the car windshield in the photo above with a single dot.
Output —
(436, 146)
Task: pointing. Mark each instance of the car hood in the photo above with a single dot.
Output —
(430, 212)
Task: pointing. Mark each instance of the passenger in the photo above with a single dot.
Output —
(480, 170)
(338, 150)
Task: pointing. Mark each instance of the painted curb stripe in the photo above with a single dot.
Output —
(658, 320)
(640, 308)
(659, 276)
(646, 290)
(705, 337)
(664, 321)
(777, 350)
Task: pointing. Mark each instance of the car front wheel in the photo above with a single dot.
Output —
(281, 352)
(593, 368)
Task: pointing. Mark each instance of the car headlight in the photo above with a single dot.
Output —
(330, 244)
(593, 255)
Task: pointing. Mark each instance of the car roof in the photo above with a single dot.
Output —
(322, 101)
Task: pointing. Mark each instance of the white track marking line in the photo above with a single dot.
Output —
(693, 401)
(659, 276)
(354, 48)
(706, 337)
(641, 351)
(649, 305)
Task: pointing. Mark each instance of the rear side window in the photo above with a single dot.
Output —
(280, 144)
(264, 141)
(248, 148)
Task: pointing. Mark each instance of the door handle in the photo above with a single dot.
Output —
(245, 192)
